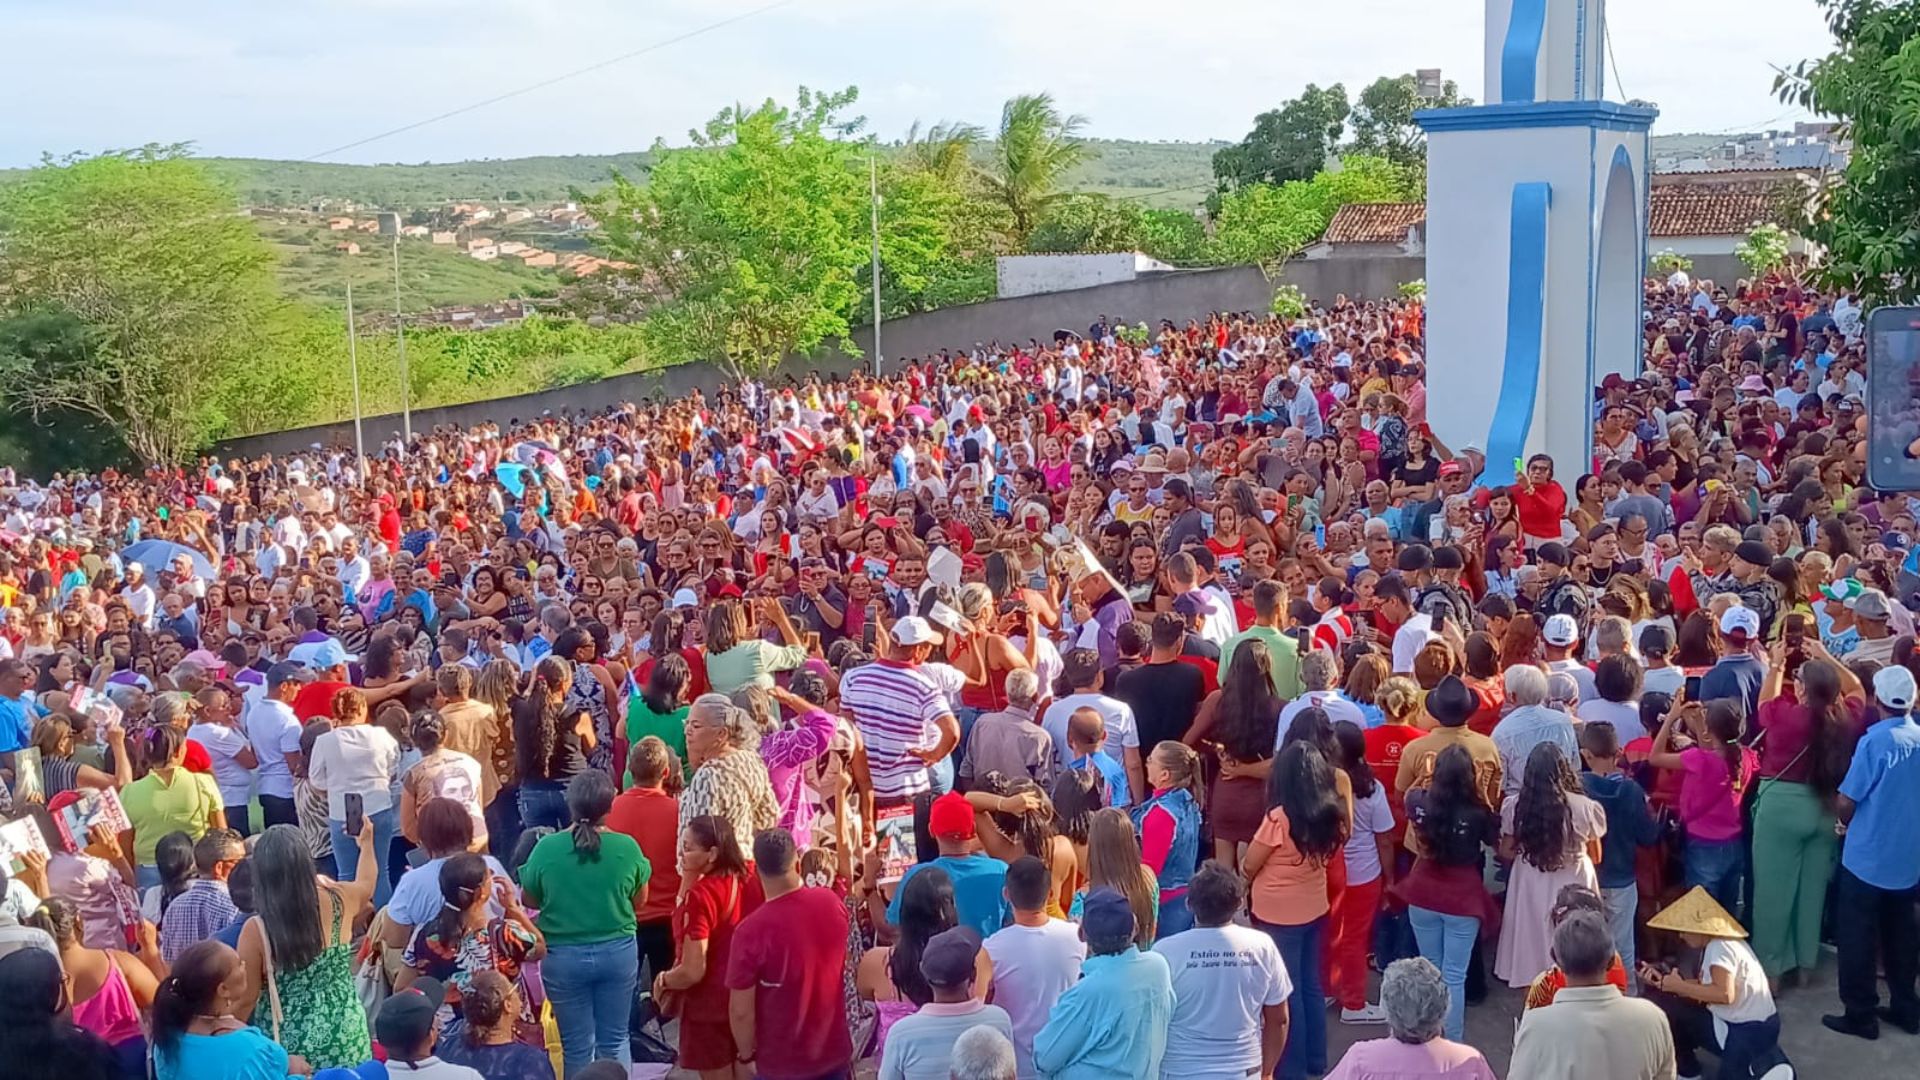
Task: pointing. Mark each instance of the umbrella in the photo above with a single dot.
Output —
(157, 555)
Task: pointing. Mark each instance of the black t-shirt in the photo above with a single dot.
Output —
(1414, 475)
(1164, 698)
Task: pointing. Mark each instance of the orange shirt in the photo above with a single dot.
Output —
(1290, 889)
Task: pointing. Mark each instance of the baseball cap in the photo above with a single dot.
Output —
(1450, 468)
(1872, 604)
(287, 671)
(1189, 603)
(1106, 920)
(949, 957)
(215, 666)
(1893, 687)
(951, 816)
(320, 655)
(914, 630)
(1560, 630)
(1755, 552)
(406, 1019)
(1845, 591)
(1740, 622)
(685, 599)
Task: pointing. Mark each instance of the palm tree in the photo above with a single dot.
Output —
(1035, 148)
(945, 150)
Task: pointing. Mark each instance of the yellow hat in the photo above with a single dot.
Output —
(1697, 913)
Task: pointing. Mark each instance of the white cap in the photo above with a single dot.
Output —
(1740, 620)
(1893, 687)
(914, 630)
(945, 616)
(1561, 630)
(685, 599)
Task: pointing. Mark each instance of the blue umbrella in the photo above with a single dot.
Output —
(157, 555)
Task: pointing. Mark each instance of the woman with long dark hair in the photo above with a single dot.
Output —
(1369, 858)
(1551, 830)
(660, 710)
(1714, 774)
(1446, 899)
(466, 937)
(1241, 720)
(587, 882)
(1306, 827)
(1812, 715)
(890, 976)
(195, 1032)
(551, 742)
(715, 894)
(38, 1039)
(298, 950)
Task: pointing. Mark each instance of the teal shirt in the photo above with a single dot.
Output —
(1284, 651)
(1112, 1023)
(584, 901)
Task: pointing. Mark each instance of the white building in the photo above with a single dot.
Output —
(1030, 275)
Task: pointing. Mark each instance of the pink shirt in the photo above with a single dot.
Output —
(1708, 805)
(1391, 1059)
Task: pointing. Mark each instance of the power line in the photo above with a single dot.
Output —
(1613, 61)
(544, 83)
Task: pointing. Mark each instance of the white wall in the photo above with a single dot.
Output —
(1029, 275)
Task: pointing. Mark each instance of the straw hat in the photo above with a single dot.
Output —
(1697, 913)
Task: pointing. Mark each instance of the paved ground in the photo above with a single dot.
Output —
(1818, 1054)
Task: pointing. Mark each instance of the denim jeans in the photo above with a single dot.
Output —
(1175, 917)
(1622, 904)
(146, 877)
(543, 803)
(591, 988)
(346, 851)
(1447, 941)
(1300, 946)
(1717, 866)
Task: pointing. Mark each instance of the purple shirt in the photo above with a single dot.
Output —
(787, 753)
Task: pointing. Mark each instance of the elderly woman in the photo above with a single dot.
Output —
(1415, 999)
(730, 778)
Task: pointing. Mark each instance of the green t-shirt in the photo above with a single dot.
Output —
(1281, 649)
(669, 728)
(157, 807)
(752, 663)
(583, 902)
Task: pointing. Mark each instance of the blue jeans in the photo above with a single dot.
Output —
(1175, 917)
(1622, 903)
(1300, 948)
(146, 876)
(1717, 866)
(1447, 941)
(592, 988)
(346, 851)
(543, 803)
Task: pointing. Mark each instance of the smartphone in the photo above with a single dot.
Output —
(1692, 687)
(1795, 632)
(356, 813)
(1893, 392)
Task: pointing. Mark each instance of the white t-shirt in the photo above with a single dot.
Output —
(1032, 967)
(1336, 707)
(1582, 675)
(1371, 815)
(1751, 999)
(1122, 732)
(275, 733)
(417, 897)
(234, 780)
(1223, 977)
(362, 759)
(1412, 636)
(1623, 715)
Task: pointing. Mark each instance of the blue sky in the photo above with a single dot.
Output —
(292, 79)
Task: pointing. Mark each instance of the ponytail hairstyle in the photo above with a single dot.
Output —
(1183, 768)
(160, 744)
(61, 920)
(1725, 722)
(463, 882)
(1352, 743)
(173, 857)
(349, 706)
(589, 798)
(552, 678)
(189, 990)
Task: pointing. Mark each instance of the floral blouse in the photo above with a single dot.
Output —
(734, 786)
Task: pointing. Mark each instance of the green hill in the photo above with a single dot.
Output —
(431, 275)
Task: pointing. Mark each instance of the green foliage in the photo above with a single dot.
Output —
(1413, 290)
(1174, 236)
(1382, 119)
(431, 275)
(1291, 142)
(57, 438)
(1266, 223)
(1667, 262)
(1868, 218)
(1084, 223)
(174, 289)
(260, 182)
(1764, 249)
(751, 238)
(1289, 302)
(1033, 150)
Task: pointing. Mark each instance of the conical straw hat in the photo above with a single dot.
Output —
(1697, 913)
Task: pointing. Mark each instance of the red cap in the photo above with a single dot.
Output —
(951, 817)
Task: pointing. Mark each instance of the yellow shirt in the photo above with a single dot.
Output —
(184, 803)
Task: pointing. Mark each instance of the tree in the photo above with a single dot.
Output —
(1266, 224)
(1868, 217)
(1288, 143)
(1086, 222)
(1382, 119)
(946, 150)
(1764, 249)
(170, 294)
(1032, 152)
(752, 239)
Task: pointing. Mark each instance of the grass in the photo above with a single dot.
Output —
(431, 275)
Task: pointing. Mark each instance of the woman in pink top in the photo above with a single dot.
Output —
(109, 988)
(1414, 997)
(1714, 772)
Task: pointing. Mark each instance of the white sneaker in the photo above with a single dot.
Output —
(1366, 1014)
(1782, 1071)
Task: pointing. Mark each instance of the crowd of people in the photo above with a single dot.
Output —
(1136, 703)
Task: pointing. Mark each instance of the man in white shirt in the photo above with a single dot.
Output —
(1319, 675)
(1035, 957)
(1561, 637)
(1230, 988)
(141, 601)
(354, 570)
(274, 732)
(1084, 675)
(1416, 627)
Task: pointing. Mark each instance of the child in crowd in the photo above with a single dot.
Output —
(1086, 741)
(1630, 826)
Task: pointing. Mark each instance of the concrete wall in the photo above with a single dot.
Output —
(1030, 275)
(1179, 295)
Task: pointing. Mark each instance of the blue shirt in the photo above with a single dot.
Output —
(1882, 847)
(1112, 1023)
(1118, 793)
(1737, 676)
(977, 884)
(16, 722)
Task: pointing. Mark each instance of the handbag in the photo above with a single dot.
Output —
(370, 983)
(273, 983)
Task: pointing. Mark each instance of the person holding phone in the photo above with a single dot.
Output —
(355, 764)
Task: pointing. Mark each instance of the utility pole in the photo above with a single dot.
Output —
(873, 182)
(353, 366)
(400, 331)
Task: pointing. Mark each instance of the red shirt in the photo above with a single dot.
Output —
(791, 953)
(315, 700)
(652, 818)
(1541, 509)
(710, 912)
(1384, 745)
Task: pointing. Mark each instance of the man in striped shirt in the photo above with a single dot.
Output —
(904, 719)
